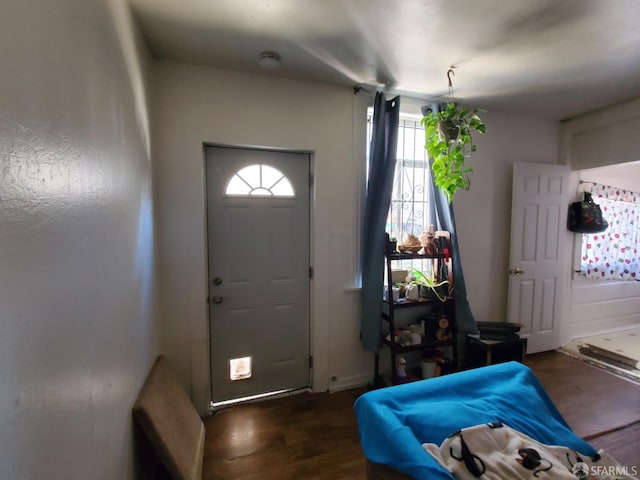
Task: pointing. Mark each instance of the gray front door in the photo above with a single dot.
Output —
(258, 242)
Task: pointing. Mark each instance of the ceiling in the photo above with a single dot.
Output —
(550, 58)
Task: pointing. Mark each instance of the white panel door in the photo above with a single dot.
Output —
(258, 241)
(538, 261)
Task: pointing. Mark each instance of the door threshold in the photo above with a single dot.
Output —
(214, 406)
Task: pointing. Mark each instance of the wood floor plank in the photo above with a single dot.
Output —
(624, 442)
(590, 399)
(315, 436)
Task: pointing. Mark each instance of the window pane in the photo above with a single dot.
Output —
(269, 176)
(260, 191)
(251, 175)
(259, 180)
(409, 209)
(283, 188)
(237, 186)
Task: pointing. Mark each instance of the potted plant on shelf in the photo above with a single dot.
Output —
(449, 140)
(429, 286)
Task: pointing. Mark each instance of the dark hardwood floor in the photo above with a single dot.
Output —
(304, 436)
(315, 436)
(590, 399)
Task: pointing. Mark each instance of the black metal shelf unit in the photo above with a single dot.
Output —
(441, 309)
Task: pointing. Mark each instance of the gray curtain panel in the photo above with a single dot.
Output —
(441, 212)
(382, 163)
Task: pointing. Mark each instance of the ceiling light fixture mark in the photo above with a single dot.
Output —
(269, 60)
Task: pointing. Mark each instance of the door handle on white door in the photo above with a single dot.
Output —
(515, 271)
(217, 299)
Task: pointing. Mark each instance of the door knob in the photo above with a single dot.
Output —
(217, 299)
(515, 271)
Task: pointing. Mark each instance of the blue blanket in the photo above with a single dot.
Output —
(394, 422)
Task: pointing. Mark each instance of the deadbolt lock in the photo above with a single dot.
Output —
(217, 281)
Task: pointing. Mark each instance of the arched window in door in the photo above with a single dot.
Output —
(259, 180)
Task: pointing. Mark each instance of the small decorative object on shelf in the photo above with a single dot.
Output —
(400, 365)
(428, 367)
(412, 292)
(443, 332)
(411, 244)
(429, 246)
(391, 244)
(437, 326)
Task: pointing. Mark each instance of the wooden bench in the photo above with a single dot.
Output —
(171, 423)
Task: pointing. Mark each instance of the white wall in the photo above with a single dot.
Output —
(483, 214)
(193, 104)
(605, 137)
(608, 137)
(77, 324)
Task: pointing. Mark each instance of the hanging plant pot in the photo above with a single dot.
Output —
(448, 131)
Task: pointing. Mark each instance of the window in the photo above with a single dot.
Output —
(410, 198)
(613, 254)
(409, 210)
(259, 180)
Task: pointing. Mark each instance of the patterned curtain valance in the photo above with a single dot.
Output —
(613, 193)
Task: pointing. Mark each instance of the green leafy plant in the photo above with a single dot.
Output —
(430, 282)
(449, 141)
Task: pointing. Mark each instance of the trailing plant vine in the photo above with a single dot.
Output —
(450, 150)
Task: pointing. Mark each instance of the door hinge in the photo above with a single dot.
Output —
(310, 272)
(311, 179)
(310, 361)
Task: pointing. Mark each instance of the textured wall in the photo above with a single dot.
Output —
(77, 325)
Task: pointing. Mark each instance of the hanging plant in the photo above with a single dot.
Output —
(449, 140)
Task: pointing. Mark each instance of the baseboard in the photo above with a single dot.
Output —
(347, 383)
(603, 326)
